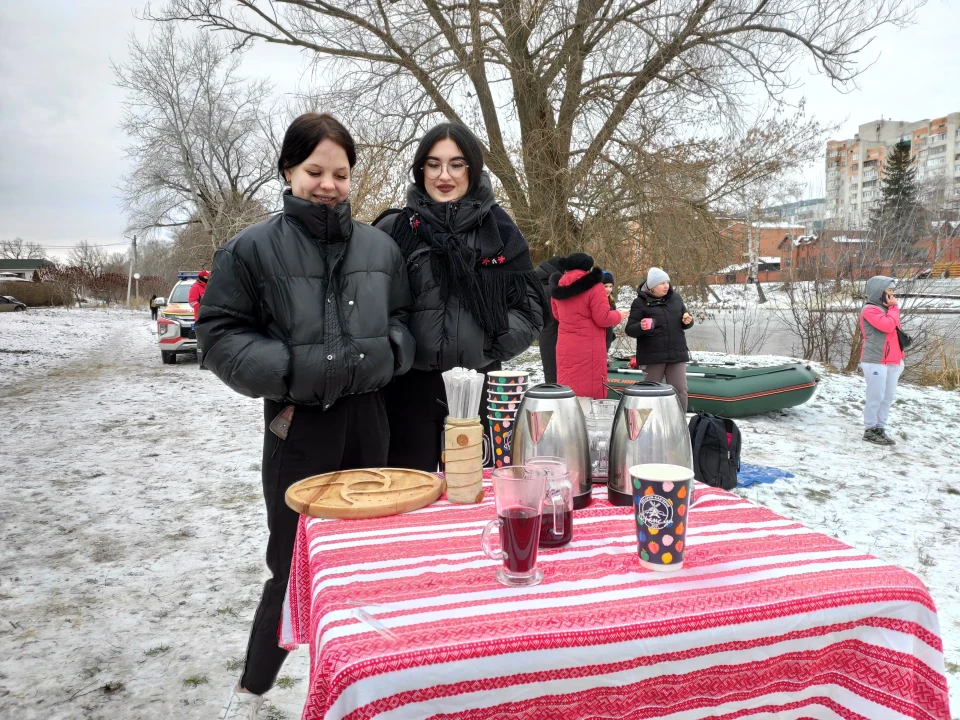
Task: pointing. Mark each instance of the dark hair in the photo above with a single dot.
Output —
(308, 131)
(465, 140)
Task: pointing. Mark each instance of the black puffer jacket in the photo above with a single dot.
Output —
(446, 335)
(665, 342)
(307, 307)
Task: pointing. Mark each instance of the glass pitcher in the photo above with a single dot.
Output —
(557, 526)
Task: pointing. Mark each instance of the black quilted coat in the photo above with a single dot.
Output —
(306, 307)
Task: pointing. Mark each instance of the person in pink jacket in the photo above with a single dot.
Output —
(881, 358)
(580, 304)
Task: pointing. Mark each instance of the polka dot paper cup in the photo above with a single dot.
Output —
(508, 377)
(505, 397)
(661, 503)
(501, 435)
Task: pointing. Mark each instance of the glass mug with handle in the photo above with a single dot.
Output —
(518, 491)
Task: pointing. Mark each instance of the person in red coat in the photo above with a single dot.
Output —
(196, 292)
(580, 304)
(193, 300)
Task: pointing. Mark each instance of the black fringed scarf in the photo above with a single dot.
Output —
(489, 279)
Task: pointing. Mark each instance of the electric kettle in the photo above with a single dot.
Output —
(649, 427)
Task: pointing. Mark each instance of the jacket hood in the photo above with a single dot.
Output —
(573, 283)
(875, 287)
(550, 266)
(321, 222)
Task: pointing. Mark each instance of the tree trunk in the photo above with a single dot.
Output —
(761, 298)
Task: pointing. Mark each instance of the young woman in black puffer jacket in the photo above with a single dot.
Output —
(307, 310)
(659, 320)
(477, 299)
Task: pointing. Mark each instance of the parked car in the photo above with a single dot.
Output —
(175, 332)
(8, 303)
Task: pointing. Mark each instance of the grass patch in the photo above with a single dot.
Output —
(272, 712)
(195, 681)
(5, 596)
(89, 672)
(226, 611)
(182, 534)
(817, 496)
(286, 682)
(236, 664)
(950, 490)
(113, 687)
(158, 650)
(926, 559)
(952, 667)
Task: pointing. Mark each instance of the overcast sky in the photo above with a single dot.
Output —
(61, 154)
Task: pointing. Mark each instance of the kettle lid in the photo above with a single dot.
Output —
(648, 388)
(550, 391)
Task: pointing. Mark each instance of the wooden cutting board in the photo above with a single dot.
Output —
(357, 494)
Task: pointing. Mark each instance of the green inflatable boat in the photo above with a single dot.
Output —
(729, 390)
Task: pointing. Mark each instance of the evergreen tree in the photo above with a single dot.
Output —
(898, 224)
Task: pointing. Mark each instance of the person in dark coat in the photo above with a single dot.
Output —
(610, 286)
(477, 299)
(581, 305)
(153, 307)
(307, 310)
(548, 336)
(659, 320)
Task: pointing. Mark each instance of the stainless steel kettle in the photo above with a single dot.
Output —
(649, 427)
(550, 422)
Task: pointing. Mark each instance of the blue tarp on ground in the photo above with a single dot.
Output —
(751, 474)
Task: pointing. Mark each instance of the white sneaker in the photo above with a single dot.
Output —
(241, 706)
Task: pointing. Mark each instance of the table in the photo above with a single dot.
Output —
(767, 619)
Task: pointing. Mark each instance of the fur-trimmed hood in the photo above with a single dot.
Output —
(575, 282)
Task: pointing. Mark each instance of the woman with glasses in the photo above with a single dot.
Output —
(477, 299)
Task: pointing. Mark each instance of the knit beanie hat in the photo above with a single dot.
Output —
(608, 278)
(655, 277)
(577, 261)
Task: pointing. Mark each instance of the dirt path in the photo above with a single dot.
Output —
(132, 528)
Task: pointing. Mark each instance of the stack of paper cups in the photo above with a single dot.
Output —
(505, 390)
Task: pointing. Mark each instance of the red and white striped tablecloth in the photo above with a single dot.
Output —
(767, 619)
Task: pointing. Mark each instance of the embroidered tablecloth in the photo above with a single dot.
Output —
(767, 619)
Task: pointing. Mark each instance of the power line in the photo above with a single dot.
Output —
(70, 247)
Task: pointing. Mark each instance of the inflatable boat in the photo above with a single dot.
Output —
(729, 390)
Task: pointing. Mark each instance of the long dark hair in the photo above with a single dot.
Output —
(308, 131)
(465, 140)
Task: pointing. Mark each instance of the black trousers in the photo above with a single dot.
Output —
(416, 408)
(548, 353)
(153, 313)
(352, 434)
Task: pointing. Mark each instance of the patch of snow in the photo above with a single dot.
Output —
(132, 528)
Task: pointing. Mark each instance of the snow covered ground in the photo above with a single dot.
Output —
(132, 527)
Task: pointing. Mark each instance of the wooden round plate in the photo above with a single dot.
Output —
(357, 494)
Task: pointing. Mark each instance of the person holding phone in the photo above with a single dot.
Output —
(881, 357)
(659, 321)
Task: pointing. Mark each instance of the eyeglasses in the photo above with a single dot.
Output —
(455, 169)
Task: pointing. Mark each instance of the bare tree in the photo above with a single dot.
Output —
(19, 249)
(202, 139)
(86, 256)
(554, 88)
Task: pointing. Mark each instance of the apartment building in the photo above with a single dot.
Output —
(854, 167)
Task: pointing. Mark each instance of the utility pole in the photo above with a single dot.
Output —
(133, 260)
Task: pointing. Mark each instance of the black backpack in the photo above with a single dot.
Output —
(715, 461)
